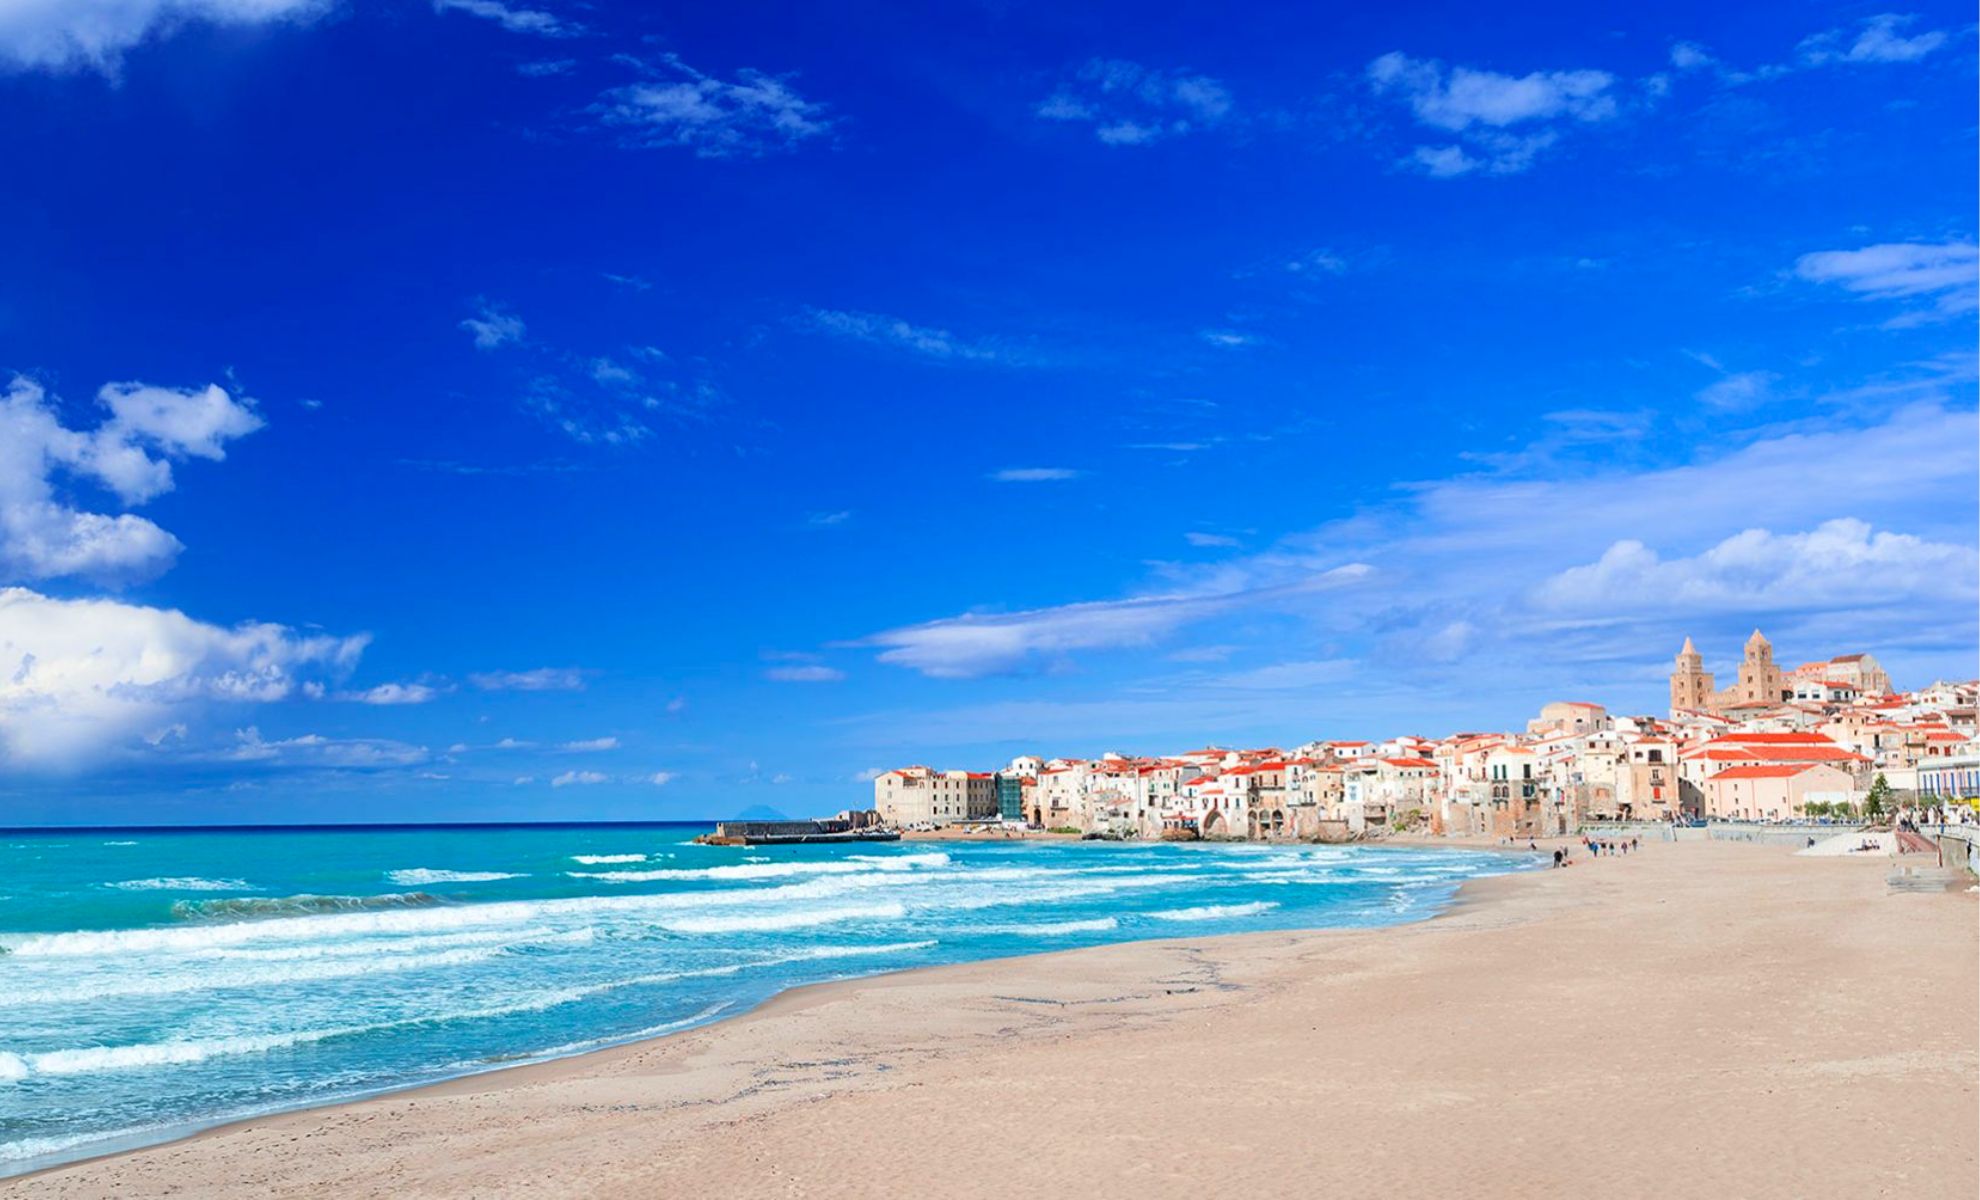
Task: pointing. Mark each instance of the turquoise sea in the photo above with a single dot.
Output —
(154, 981)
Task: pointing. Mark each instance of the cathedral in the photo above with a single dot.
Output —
(1761, 681)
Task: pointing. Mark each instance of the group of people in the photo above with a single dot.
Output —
(1598, 847)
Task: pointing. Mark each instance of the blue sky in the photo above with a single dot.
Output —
(480, 410)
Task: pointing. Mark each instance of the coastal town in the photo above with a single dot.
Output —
(1828, 739)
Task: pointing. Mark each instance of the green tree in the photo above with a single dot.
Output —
(1878, 802)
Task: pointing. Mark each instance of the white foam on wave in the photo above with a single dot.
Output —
(94, 1059)
(592, 860)
(36, 1147)
(120, 843)
(1055, 928)
(396, 945)
(182, 883)
(850, 865)
(771, 922)
(1072, 889)
(417, 876)
(207, 978)
(1215, 912)
(939, 889)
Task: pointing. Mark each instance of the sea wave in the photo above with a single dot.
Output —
(421, 876)
(268, 978)
(850, 865)
(245, 907)
(769, 922)
(138, 1056)
(1054, 928)
(1215, 912)
(592, 860)
(365, 946)
(182, 883)
(340, 924)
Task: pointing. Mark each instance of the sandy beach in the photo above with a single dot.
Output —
(1700, 1019)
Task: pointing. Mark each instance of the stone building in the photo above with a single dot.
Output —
(1761, 684)
(921, 795)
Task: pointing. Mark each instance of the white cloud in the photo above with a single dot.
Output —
(590, 745)
(805, 673)
(1879, 39)
(1864, 541)
(1229, 338)
(394, 694)
(1462, 97)
(542, 679)
(1128, 104)
(1946, 271)
(660, 778)
(869, 774)
(1690, 56)
(1842, 563)
(1196, 538)
(826, 520)
(1481, 107)
(315, 750)
(1318, 262)
(62, 35)
(515, 20)
(570, 778)
(493, 326)
(44, 536)
(989, 643)
(757, 114)
(1033, 475)
(1742, 389)
(880, 330)
(80, 679)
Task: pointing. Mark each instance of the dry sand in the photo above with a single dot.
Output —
(1702, 1019)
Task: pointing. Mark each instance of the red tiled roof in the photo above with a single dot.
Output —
(1763, 772)
(1773, 738)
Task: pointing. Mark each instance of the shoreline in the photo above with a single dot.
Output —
(186, 1132)
(710, 1091)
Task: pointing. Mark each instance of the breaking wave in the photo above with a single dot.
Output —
(850, 865)
(789, 920)
(1215, 912)
(592, 860)
(1055, 928)
(249, 907)
(183, 883)
(420, 876)
(91, 1059)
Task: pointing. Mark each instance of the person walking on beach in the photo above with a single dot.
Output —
(1558, 856)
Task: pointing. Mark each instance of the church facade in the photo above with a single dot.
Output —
(1761, 683)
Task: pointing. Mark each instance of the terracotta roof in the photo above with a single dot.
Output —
(1763, 772)
(1764, 738)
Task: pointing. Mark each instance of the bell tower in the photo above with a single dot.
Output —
(1691, 684)
(1759, 677)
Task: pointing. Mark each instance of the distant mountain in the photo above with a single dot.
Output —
(760, 812)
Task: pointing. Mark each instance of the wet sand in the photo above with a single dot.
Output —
(1700, 1019)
